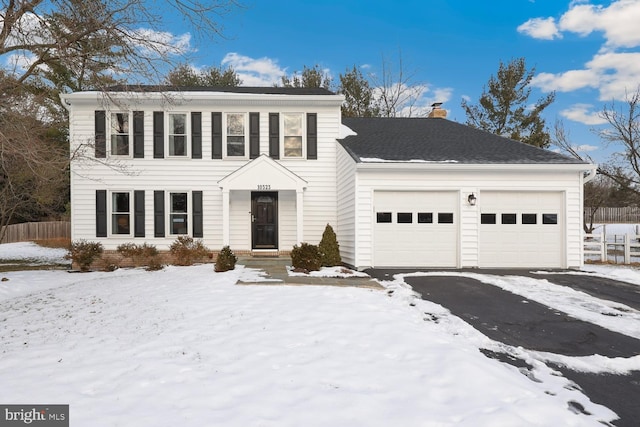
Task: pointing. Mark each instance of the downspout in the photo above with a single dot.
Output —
(590, 174)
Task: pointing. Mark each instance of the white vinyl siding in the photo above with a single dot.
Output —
(175, 174)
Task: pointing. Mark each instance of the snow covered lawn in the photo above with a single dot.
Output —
(187, 347)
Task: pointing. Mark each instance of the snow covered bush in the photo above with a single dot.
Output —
(329, 248)
(84, 253)
(186, 251)
(306, 257)
(226, 260)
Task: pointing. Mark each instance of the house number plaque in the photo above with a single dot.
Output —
(264, 187)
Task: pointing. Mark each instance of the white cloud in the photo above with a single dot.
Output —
(540, 28)
(611, 71)
(585, 148)
(582, 113)
(254, 72)
(613, 74)
(618, 21)
(153, 42)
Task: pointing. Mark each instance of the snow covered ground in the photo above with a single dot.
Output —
(186, 346)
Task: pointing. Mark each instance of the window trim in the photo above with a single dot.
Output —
(303, 131)
(187, 134)
(109, 135)
(225, 134)
(111, 213)
(169, 212)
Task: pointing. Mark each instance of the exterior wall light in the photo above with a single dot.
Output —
(472, 199)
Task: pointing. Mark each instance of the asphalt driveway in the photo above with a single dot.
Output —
(517, 321)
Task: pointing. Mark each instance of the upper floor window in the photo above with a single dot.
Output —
(236, 135)
(120, 134)
(120, 213)
(293, 131)
(177, 134)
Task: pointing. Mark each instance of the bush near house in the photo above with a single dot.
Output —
(84, 253)
(306, 257)
(329, 248)
(226, 260)
(140, 255)
(187, 251)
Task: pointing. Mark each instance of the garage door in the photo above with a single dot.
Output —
(415, 229)
(523, 229)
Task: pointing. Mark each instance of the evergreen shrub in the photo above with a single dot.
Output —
(306, 257)
(226, 260)
(329, 248)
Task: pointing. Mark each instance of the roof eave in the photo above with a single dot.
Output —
(424, 166)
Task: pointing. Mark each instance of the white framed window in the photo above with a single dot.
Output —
(292, 135)
(121, 212)
(236, 137)
(120, 134)
(177, 131)
(179, 213)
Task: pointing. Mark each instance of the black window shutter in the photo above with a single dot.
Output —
(101, 213)
(138, 213)
(216, 135)
(196, 135)
(312, 136)
(158, 213)
(274, 135)
(197, 213)
(254, 135)
(138, 134)
(158, 135)
(101, 134)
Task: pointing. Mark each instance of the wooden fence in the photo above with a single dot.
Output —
(37, 231)
(624, 215)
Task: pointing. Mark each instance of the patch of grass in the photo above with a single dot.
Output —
(26, 265)
(59, 242)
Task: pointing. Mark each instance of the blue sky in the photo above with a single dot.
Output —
(587, 51)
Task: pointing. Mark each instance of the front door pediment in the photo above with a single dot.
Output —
(262, 173)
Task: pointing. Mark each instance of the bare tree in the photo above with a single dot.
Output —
(396, 89)
(624, 131)
(54, 46)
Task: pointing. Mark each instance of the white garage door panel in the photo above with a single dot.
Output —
(415, 244)
(522, 245)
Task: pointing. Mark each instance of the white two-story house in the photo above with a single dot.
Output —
(263, 169)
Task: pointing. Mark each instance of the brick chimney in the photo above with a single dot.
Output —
(437, 112)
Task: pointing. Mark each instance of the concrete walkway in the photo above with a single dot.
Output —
(275, 270)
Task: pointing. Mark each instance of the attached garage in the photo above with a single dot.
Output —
(433, 193)
(521, 229)
(416, 228)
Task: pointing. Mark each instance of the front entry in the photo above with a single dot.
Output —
(264, 220)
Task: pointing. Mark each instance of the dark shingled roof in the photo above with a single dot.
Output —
(229, 89)
(439, 140)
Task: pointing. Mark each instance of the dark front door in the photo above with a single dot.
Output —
(264, 218)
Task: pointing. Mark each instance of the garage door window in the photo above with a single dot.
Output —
(383, 217)
(529, 218)
(487, 218)
(425, 218)
(549, 218)
(405, 217)
(445, 218)
(509, 218)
